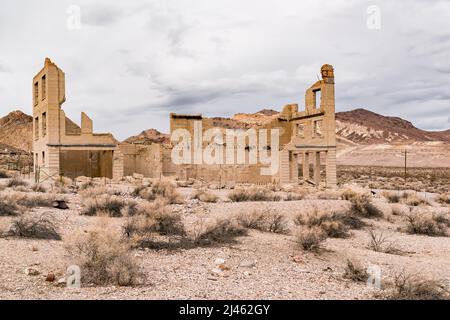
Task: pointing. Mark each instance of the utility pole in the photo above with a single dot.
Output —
(406, 156)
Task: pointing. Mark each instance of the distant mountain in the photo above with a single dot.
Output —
(367, 127)
(149, 136)
(16, 130)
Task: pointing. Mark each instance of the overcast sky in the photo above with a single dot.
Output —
(133, 62)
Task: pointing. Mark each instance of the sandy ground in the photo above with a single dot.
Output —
(261, 265)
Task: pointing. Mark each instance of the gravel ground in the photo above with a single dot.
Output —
(257, 266)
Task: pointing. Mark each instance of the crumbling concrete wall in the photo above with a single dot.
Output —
(142, 159)
(58, 141)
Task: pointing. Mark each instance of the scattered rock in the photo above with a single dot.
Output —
(138, 176)
(50, 277)
(31, 272)
(60, 204)
(61, 282)
(248, 263)
(219, 261)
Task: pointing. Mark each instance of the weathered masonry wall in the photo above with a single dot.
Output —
(142, 159)
(59, 145)
(307, 142)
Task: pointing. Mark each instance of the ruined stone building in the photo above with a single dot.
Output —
(307, 141)
(61, 147)
(306, 145)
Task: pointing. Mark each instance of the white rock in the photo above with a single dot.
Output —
(31, 272)
(219, 261)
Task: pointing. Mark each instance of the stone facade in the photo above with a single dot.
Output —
(60, 147)
(308, 139)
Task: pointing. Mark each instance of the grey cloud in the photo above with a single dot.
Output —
(101, 14)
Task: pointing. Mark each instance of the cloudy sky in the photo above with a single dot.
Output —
(130, 63)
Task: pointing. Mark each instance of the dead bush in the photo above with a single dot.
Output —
(349, 194)
(407, 286)
(425, 224)
(16, 182)
(38, 188)
(4, 174)
(334, 224)
(163, 189)
(253, 194)
(264, 220)
(154, 218)
(104, 258)
(310, 239)
(413, 199)
(205, 196)
(392, 197)
(39, 227)
(292, 196)
(8, 207)
(380, 243)
(355, 272)
(222, 230)
(113, 206)
(444, 198)
(363, 207)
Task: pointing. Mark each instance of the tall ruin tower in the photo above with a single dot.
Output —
(60, 146)
(48, 96)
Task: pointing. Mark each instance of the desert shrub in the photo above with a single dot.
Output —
(205, 196)
(363, 207)
(92, 192)
(413, 199)
(253, 194)
(163, 189)
(254, 219)
(106, 204)
(398, 210)
(444, 198)
(333, 224)
(292, 196)
(104, 258)
(392, 197)
(16, 182)
(408, 286)
(310, 239)
(38, 188)
(425, 224)
(3, 174)
(220, 230)
(30, 200)
(354, 271)
(63, 182)
(86, 185)
(39, 227)
(380, 243)
(264, 220)
(8, 207)
(154, 218)
(349, 194)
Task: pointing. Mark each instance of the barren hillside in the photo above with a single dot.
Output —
(16, 130)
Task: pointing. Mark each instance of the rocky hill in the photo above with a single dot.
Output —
(16, 130)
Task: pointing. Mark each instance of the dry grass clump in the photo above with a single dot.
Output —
(363, 207)
(426, 224)
(38, 188)
(408, 286)
(334, 224)
(253, 194)
(293, 196)
(16, 182)
(4, 174)
(40, 227)
(8, 207)
(163, 189)
(29, 200)
(93, 192)
(153, 218)
(350, 195)
(380, 243)
(104, 258)
(86, 185)
(444, 198)
(223, 230)
(310, 239)
(264, 220)
(112, 206)
(413, 199)
(355, 271)
(392, 197)
(205, 196)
